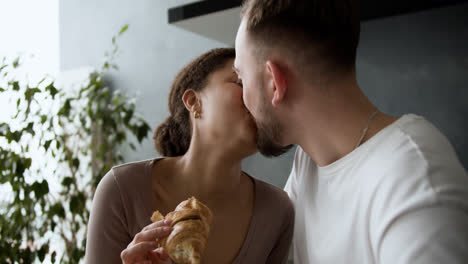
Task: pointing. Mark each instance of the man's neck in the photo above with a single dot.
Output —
(335, 122)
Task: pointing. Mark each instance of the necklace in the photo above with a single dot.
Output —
(367, 127)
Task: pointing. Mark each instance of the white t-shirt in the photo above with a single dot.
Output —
(401, 197)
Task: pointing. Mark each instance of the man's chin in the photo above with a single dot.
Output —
(271, 149)
(267, 138)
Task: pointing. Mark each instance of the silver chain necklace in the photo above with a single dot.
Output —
(367, 127)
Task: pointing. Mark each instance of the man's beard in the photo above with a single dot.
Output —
(269, 134)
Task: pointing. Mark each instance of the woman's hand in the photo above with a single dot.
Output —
(144, 247)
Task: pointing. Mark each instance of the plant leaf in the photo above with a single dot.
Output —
(47, 144)
(67, 181)
(52, 90)
(15, 62)
(15, 85)
(123, 29)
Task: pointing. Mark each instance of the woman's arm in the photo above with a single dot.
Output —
(107, 227)
(280, 252)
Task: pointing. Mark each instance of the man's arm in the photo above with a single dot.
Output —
(426, 235)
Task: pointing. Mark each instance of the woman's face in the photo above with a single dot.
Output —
(224, 115)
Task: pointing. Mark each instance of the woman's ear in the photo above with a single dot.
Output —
(191, 101)
(278, 81)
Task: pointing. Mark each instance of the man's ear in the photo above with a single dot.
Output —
(191, 101)
(278, 80)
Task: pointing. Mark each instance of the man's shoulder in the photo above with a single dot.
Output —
(414, 166)
(413, 132)
(416, 147)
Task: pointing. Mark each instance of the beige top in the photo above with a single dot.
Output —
(122, 207)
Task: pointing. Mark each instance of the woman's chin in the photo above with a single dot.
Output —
(249, 145)
(244, 137)
(240, 147)
(247, 151)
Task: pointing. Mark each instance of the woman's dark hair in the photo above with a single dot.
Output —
(172, 137)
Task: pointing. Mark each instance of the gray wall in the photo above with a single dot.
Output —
(413, 63)
(419, 63)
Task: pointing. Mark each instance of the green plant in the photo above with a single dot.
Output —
(78, 135)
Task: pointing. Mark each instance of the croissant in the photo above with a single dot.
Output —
(191, 222)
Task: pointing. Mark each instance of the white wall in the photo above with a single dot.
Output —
(29, 27)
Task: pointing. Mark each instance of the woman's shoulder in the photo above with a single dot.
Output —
(131, 167)
(271, 196)
(127, 177)
(270, 190)
(132, 171)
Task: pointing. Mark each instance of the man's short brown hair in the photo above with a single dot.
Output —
(324, 29)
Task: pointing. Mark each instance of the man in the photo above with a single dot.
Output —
(367, 187)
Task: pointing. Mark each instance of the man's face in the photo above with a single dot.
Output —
(248, 71)
(256, 95)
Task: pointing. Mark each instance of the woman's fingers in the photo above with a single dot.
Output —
(157, 224)
(145, 243)
(153, 234)
(134, 252)
(160, 253)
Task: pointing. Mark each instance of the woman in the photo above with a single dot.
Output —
(204, 140)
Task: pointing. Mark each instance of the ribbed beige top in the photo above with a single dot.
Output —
(122, 207)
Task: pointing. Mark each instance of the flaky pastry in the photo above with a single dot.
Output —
(191, 222)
